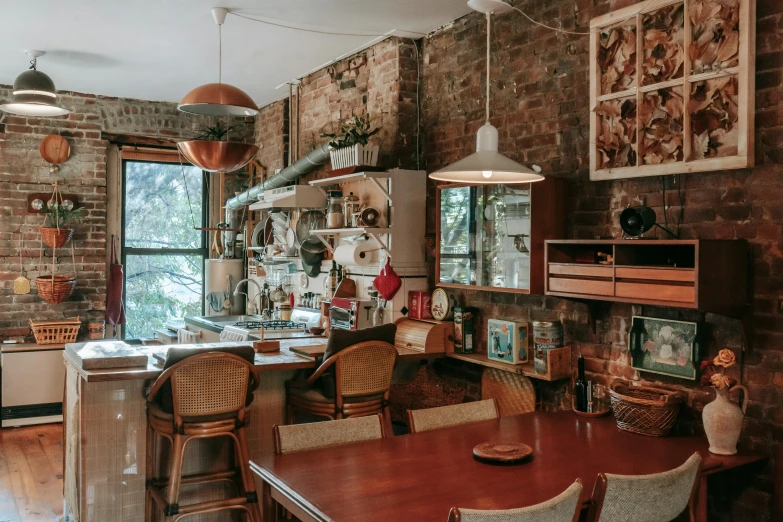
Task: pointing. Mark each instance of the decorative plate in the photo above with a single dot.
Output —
(442, 305)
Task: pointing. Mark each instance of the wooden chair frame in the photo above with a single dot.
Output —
(599, 495)
(339, 409)
(456, 516)
(179, 432)
(412, 427)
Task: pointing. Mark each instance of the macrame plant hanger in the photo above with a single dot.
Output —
(56, 297)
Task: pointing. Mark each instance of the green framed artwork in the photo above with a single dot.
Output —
(665, 347)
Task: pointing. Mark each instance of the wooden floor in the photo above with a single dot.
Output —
(31, 474)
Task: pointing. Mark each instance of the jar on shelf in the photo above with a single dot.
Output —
(334, 209)
(350, 208)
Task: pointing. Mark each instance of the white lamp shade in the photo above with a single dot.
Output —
(487, 166)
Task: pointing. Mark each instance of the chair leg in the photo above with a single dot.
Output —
(150, 472)
(387, 420)
(175, 478)
(248, 482)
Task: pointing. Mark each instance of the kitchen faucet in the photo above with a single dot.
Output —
(260, 292)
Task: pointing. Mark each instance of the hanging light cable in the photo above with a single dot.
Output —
(487, 165)
(218, 99)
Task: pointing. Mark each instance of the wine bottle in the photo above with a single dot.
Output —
(332, 281)
(580, 386)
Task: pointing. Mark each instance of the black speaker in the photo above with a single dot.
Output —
(635, 221)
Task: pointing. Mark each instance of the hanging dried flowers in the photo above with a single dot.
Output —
(714, 117)
(664, 37)
(715, 35)
(616, 140)
(617, 59)
(661, 115)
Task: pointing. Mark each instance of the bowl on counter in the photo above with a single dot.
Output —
(316, 330)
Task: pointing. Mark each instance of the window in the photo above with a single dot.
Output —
(162, 252)
(456, 256)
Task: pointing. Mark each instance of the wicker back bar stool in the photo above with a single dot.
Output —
(209, 392)
(363, 374)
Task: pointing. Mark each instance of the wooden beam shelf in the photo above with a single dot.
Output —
(558, 364)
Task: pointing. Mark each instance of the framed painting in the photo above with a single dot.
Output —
(672, 88)
(665, 347)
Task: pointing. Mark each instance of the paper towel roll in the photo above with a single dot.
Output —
(351, 255)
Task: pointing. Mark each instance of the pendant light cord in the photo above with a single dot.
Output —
(489, 29)
(220, 53)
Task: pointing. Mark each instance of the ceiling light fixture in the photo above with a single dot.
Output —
(218, 99)
(487, 166)
(34, 93)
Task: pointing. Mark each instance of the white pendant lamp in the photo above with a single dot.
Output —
(487, 166)
(34, 93)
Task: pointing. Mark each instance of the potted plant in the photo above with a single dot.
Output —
(722, 418)
(350, 144)
(211, 151)
(56, 233)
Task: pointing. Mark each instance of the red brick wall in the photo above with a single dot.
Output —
(540, 105)
(271, 136)
(23, 171)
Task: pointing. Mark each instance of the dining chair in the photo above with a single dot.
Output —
(660, 497)
(565, 507)
(362, 376)
(453, 415)
(313, 435)
(514, 393)
(209, 393)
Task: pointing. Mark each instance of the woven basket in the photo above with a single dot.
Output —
(55, 332)
(55, 289)
(55, 237)
(645, 410)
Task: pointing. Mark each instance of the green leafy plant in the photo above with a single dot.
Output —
(352, 132)
(215, 132)
(57, 216)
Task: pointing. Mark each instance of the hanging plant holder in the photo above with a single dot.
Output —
(55, 237)
(217, 156)
(55, 288)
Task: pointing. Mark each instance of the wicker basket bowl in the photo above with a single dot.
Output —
(55, 237)
(645, 410)
(56, 332)
(55, 289)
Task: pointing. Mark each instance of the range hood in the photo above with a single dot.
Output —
(295, 196)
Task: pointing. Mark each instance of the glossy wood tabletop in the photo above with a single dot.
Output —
(420, 477)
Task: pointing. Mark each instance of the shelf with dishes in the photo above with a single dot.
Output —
(373, 177)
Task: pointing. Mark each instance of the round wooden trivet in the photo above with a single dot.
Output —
(502, 452)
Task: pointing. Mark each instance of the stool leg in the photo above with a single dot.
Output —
(175, 477)
(149, 472)
(248, 483)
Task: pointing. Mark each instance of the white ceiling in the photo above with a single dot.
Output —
(161, 49)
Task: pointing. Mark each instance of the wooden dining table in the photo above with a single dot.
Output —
(421, 476)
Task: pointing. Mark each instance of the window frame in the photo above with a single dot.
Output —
(203, 251)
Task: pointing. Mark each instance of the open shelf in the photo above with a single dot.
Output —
(356, 176)
(374, 233)
(558, 364)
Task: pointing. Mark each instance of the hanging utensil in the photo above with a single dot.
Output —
(311, 220)
(21, 283)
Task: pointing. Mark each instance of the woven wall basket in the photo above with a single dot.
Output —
(55, 289)
(55, 237)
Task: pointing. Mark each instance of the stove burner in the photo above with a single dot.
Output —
(271, 325)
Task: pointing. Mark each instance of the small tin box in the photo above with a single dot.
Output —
(464, 324)
(508, 341)
(419, 304)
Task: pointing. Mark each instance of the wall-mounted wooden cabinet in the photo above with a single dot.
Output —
(708, 275)
(491, 237)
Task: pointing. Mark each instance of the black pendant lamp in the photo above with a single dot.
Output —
(34, 93)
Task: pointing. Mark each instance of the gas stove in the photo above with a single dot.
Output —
(271, 325)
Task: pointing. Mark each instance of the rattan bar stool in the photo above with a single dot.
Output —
(363, 374)
(209, 392)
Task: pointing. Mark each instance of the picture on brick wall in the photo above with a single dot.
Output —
(672, 88)
(664, 346)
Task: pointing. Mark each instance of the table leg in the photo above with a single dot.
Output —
(701, 501)
(777, 484)
(268, 507)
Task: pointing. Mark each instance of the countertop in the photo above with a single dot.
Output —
(285, 359)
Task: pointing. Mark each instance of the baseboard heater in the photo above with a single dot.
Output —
(31, 414)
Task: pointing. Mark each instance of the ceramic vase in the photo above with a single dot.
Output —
(723, 421)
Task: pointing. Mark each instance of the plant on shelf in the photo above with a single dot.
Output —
(351, 143)
(58, 216)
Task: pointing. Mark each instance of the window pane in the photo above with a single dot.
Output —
(157, 213)
(455, 270)
(455, 220)
(161, 287)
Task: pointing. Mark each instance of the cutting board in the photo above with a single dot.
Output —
(101, 355)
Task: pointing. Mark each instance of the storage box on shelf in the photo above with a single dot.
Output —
(708, 275)
(424, 335)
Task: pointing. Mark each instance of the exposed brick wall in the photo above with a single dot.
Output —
(540, 105)
(271, 135)
(23, 171)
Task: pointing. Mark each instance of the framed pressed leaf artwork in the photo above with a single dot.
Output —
(672, 88)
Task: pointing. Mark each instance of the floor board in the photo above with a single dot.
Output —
(31, 474)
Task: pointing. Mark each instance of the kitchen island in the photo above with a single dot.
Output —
(105, 429)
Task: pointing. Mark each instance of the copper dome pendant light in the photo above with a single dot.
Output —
(487, 166)
(218, 99)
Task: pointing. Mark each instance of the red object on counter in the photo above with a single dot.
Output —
(291, 300)
(419, 305)
(388, 282)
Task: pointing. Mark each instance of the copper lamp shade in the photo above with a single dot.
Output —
(218, 99)
(217, 156)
